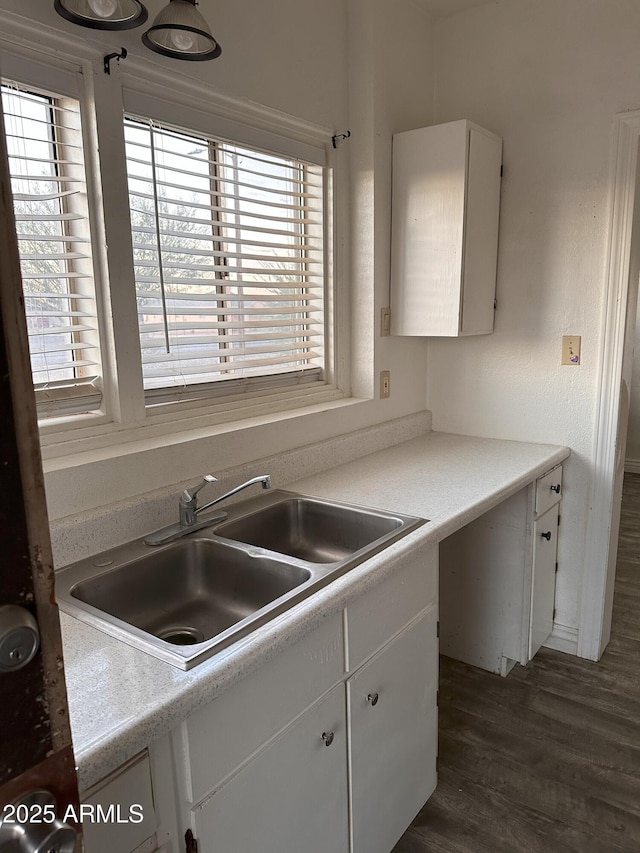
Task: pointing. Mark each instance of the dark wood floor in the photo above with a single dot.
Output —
(548, 759)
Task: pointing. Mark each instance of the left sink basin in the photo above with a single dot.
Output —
(173, 601)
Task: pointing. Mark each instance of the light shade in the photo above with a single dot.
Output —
(103, 14)
(181, 32)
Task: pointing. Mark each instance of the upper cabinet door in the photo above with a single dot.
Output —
(446, 198)
(480, 255)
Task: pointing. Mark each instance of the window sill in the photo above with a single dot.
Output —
(69, 450)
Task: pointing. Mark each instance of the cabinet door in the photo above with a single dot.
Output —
(481, 232)
(543, 591)
(393, 737)
(291, 797)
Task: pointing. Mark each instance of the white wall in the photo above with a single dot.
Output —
(548, 76)
(293, 56)
(391, 88)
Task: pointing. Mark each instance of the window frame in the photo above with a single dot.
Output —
(104, 100)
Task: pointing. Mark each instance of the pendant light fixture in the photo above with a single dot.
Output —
(180, 31)
(103, 14)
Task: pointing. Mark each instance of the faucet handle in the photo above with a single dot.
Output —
(189, 494)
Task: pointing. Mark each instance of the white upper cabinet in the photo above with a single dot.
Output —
(444, 245)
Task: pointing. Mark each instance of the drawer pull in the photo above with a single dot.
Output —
(327, 737)
(546, 535)
(556, 489)
(372, 699)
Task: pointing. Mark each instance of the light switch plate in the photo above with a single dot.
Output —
(385, 322)
(571, 349)
(385, 384)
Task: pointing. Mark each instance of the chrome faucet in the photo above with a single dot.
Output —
(189, 510)
(265, 479)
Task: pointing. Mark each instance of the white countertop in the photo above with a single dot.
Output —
(121, 699)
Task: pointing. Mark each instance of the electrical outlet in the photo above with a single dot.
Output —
(385, 322)
(571, 349)
(385, 384)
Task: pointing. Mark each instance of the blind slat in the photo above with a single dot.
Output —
(297, 352)
(216, 254)
(271, 323)
(227, 367)
(153, 311)
(233, 226)
(221, 340)
(215, 239)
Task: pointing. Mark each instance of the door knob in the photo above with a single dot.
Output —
(546, 535)
(19, 637)
(30, 825)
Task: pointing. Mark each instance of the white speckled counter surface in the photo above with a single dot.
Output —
(121, 699)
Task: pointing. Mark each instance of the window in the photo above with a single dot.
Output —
(44, 144)
(228, 258)
(168, 273)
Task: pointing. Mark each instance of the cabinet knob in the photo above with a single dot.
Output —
(556, 489)
(372, 698)
(546, 535)
(327, 737)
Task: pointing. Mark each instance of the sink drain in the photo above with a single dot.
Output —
(182, 636)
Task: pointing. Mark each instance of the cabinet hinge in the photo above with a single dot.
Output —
(501, 170)
(559, 521)
(438, 629)
(191, 842)
(554, 614)
(556, 568)
(495, 304)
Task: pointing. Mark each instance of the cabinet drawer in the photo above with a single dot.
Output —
(123, 812)
(548, 490)
(221, 736)
(383, 611)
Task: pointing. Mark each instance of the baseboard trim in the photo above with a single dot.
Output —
(632, 466)
(563, 639)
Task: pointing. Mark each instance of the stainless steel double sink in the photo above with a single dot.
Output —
(187, 600)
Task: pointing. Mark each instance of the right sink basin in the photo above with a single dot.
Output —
(311, 530)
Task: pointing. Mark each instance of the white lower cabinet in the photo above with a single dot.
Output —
(393, 739)
(543, 588)
(270, 767)
(291, 797)
(498, 578)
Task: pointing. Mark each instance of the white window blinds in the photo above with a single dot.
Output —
(228, 256)
(46, 164)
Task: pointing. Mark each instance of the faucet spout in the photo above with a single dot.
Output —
(264, 479)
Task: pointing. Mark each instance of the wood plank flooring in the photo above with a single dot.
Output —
(548, 759)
